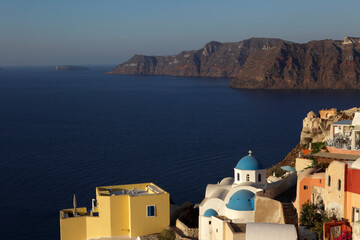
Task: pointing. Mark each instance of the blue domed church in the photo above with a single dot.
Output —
(233, 199)
(249, 169)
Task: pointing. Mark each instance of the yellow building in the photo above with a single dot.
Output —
(123, 210)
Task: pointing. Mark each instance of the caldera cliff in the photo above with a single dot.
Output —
(261, 63)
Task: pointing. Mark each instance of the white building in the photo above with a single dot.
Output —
(345, 136)
(234, 198)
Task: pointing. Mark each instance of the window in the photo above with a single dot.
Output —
(339, 185)
(209, 222)
(238, 176)
(247, 177)
(329, 181)
(355, 215)
(259, 177)
(151, 211)
(305, 187)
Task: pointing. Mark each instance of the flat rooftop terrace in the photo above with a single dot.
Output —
(336, 156)
(140, 189)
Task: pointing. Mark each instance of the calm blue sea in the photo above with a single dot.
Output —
(68, 132)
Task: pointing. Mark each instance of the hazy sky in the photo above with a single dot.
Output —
(48, 32)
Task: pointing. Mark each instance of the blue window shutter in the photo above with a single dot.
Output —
(151, 211)
(339, 185)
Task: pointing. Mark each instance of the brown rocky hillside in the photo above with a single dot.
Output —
(261, 63)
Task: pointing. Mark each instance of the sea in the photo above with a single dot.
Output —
(69, 132)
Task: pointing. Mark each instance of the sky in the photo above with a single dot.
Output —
(48, 32)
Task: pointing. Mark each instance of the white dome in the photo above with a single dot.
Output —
(227, 181)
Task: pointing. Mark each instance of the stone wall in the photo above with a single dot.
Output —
(189, 232)
(268, 210)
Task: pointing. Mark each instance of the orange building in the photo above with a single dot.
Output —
(337, 189)
(309, 188)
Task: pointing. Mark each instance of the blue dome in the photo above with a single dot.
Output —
(249, 162)
(210, 212)
(242, 200)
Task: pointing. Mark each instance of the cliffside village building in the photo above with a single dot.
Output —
(248, 197)
(123, 210)
(337, 189)
(345, 136)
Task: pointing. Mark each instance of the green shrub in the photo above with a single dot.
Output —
(313, 217)
(278, 172)
(309, 214)
(317, 146)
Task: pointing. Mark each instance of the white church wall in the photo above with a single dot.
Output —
(242, 176)
(204, 228)
(240, 187)
(217, 229)
(240, 216)
(213, 203)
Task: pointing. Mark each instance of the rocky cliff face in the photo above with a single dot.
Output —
(215, 59)
(262, 63)
(325, 64)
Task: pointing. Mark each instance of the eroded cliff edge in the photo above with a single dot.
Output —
(261, 63)
(215, 59)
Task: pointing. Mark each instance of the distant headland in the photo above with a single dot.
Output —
(71, 68)
(261, 63)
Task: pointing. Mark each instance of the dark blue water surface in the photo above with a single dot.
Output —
(68, 132)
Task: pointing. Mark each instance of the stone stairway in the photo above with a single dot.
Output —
(290, 214)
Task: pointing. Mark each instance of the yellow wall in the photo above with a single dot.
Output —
(302, 163)
(73, 228)
(140, 223)
(333, 198)
(353, 200)
(119, 215)
(101, 227)
(120, 218)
